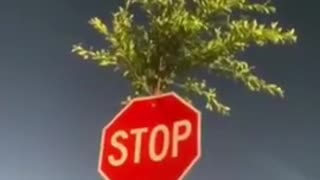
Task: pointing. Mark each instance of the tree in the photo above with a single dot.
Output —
(183, 35)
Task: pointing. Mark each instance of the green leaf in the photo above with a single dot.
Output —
(179, 39)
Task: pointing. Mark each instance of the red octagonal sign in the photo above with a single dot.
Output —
(152, 138)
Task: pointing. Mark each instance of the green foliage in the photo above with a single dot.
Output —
(182, 35)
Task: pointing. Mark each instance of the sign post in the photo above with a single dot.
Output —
(152, 138)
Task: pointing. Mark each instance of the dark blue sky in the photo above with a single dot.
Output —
(53, 105)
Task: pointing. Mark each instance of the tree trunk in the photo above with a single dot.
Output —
(157, 89)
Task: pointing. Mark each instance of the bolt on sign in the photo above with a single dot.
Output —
(152, 138)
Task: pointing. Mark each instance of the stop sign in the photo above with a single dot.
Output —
(152, 138)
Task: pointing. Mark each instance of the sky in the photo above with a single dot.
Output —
(53, 105)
